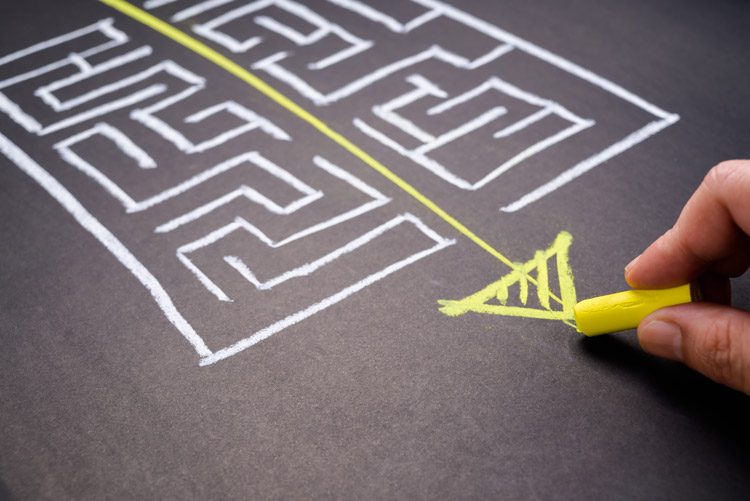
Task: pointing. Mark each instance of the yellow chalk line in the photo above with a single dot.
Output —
(235, 69)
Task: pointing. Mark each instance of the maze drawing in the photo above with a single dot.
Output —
(209, 214)
(90, 106)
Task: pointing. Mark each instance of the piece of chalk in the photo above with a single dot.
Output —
(625, 310)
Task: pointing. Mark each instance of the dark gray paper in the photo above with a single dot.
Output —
(204, 296)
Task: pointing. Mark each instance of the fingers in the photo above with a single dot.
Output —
(710, 234)
(712, 339)
(709, 241)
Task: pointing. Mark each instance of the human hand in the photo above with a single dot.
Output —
(709, 243)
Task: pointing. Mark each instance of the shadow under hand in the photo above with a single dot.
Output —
(725, 410)
(5, 494)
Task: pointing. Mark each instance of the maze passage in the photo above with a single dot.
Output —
(242, 225)
(429, 143)
(93, 90)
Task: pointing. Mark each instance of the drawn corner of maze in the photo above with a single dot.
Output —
(217, 200)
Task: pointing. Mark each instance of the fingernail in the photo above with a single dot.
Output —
(631, 264)
(663, 339)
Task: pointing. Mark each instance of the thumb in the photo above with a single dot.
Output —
(710, 338)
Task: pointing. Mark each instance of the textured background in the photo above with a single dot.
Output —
(381, 395)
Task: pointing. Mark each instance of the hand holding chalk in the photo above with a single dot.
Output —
(709, 242)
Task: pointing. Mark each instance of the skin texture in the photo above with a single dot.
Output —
(708, 243)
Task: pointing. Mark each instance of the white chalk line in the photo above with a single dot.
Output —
(116, 36)
(132, 150)
(125, 102)
(389, 22)
(378, 200)
(324, 28)
(308, 268)
(46, 92)
(270, 65)
(77, 59)
(122, 142)
(256, 159)
(155, 4)
(288, 321)
(424, 87)
(665, 118)
(591, 162)
(147, 117)
(16, 114)
(387, 111)
(107, 239)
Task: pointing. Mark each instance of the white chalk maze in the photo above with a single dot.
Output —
(457, 83)
(153, 166)
(230, 211)
(428, 142)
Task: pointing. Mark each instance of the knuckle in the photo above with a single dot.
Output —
(720, 175)
(718, 354)
(724, 174)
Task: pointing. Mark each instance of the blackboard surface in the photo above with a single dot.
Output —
(203, 296)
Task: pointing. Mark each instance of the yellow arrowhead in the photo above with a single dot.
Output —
(534, 271)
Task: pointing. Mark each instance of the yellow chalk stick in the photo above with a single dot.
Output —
(625, 310)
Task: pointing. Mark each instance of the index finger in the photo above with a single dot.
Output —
(710, 234)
